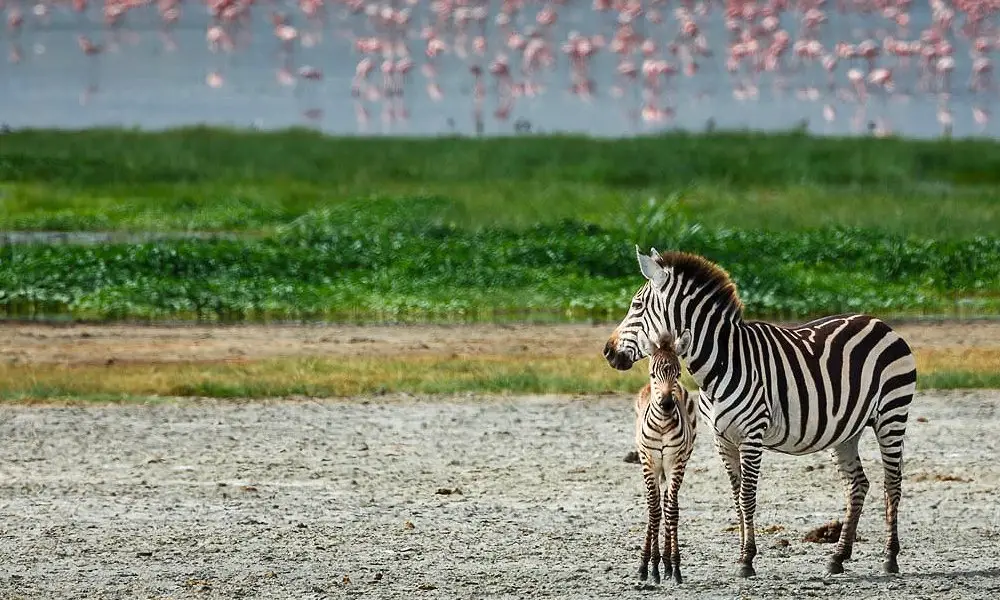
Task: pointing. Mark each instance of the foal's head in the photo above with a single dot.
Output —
(665, 368)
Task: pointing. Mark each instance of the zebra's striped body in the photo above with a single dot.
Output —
(795, 390)
(665, 427)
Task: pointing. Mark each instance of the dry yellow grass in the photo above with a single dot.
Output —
(443, 373)
(976, 360)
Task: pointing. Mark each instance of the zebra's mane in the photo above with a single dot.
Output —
(704, 272)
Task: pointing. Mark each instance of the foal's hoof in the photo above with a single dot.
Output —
(890, 566)
(834, 567)
(746, 571)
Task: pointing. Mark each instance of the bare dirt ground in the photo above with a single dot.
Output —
(401, 497)
(130, 343)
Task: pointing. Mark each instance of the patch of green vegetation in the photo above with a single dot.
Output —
(956, 380)
(224, 180)
(97, 157)
(398, 260)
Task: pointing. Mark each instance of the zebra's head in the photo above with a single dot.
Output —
(665, 368)
(648, 317)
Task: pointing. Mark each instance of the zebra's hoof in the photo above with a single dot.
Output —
(643, 572)
(746, 571)
(890, 566)
(656, 574)
(677, 575)
(834, 567)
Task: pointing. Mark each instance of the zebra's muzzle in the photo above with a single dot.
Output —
(617, 359)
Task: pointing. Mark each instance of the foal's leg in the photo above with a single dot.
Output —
(671, 516)
(651, 547)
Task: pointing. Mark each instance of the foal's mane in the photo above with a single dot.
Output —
(705, 273)
(664, 345)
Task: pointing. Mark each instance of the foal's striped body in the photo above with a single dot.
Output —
(665, 427)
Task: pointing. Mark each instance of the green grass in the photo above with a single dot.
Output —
(397, 260)
(511, 228)
(956, 380)
(221, 180)
(98, 157)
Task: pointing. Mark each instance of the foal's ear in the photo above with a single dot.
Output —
(683, 343)
(651, 270)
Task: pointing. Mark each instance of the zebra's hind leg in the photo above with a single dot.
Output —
(651, 545)
(889, 430)
(851, 471)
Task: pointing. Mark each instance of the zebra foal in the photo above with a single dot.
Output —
(665, 427)
(795, 390)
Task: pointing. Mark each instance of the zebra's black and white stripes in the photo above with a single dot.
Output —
(665, 428)
(795, 390)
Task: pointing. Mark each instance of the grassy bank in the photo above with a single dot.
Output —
(396, 260)
(325, 377)
(394, 265)
(459, 229)
(219, 180)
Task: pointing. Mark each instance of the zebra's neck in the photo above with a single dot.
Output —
(659, 417)
(716, 331)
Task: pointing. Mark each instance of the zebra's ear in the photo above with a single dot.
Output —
(683, 343)
(651, 270)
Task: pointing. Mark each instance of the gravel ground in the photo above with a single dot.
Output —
(97, 344)
(402, 497)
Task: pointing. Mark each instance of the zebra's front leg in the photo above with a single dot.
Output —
(730, 454)
(750, 455)
(671, 515)
(851, 471)
(651, 545)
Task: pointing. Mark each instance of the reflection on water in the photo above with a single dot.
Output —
(467, 66)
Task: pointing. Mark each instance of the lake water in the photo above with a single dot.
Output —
(141, 79)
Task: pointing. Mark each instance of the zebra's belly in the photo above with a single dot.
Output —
(803, 440)
(662, 459)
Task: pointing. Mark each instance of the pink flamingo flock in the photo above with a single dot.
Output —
(860, 53)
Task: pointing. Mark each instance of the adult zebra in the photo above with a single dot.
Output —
(795, 390)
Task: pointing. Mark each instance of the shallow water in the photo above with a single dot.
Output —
(148, 79)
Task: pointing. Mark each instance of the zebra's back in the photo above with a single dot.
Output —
(825, 380)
